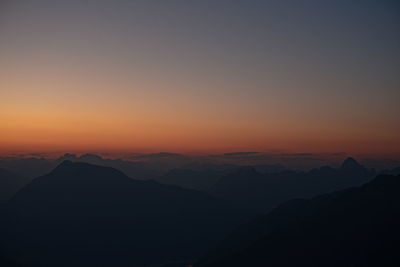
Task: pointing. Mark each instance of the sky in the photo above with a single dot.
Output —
(200, 76)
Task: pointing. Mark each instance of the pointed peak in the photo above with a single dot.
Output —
(350, 163)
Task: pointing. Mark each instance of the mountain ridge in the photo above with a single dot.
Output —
(95, 206)
(353, 227)
(264, 191)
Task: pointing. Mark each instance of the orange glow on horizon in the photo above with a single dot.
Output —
(83, 132)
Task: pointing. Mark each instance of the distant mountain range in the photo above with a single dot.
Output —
(83, 214)
(87, 215)
(34, 167)
(256, 187)
(204, 176)
(353, 227)
(193, 179)
(264, 191)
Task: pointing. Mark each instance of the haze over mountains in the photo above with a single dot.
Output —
(263, 192)
(258, 187)
(91, 215)
(141, 166)
(201, 173)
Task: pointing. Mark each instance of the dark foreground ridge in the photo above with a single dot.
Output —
(354, 227)
(87, 215)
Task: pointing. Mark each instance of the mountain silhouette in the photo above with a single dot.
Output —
(264, 191)
(352, 168)
(204, 176)
(350, 163)
(353, 227)
(137, 170)
(193, 179)
(27, 167)
(10, 183)
(394, 171)
(87, 215)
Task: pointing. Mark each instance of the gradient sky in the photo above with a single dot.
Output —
(200, 76)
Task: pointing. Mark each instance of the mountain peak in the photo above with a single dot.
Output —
(350, 163)
(68, 167)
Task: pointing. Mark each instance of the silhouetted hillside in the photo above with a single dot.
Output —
(194, 179)
(354, 227)
(137, 170)
(262, 192)
(394, 171)
(10, 183)
(27, 167)
(204, 176)
(34, 167)
(86, 215)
